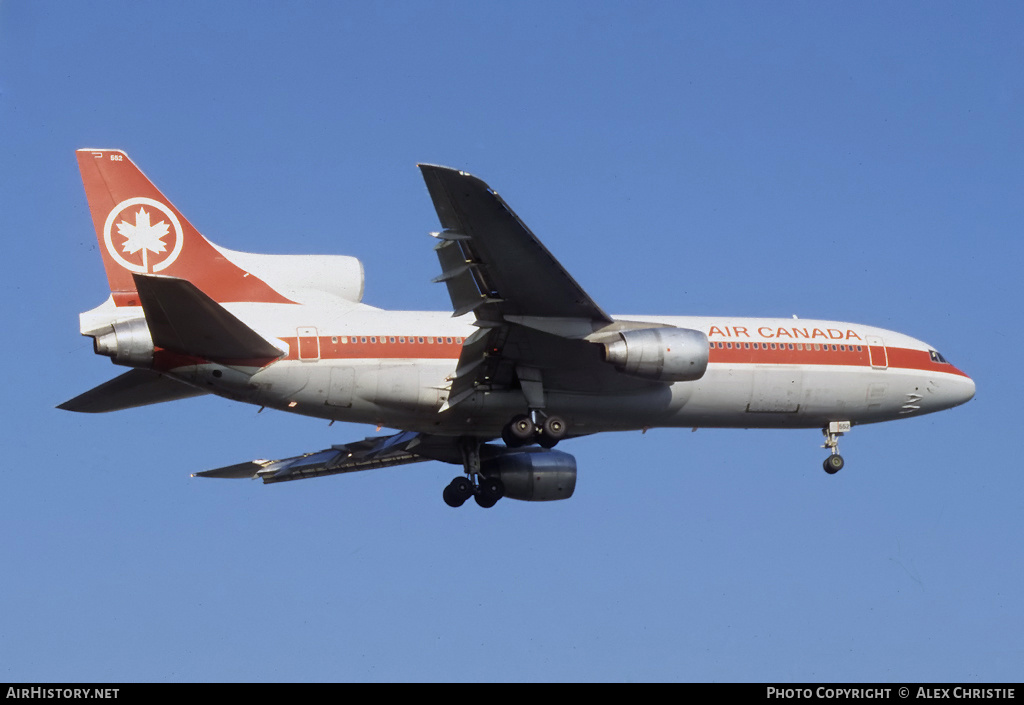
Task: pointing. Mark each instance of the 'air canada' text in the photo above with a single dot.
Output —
(793, 333)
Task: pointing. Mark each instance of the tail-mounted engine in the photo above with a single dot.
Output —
(126, 343)
(663, 354)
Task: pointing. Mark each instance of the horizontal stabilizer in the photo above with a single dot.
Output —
(132, 389)
(183, 319)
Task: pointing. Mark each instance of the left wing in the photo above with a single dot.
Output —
(368, 454)
(537, 324)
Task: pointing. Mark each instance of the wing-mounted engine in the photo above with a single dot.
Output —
(532, 474)
(126, 342)
(662, 354)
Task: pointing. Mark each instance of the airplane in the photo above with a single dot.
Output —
(525, 355)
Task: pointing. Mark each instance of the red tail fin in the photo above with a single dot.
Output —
(141, 231)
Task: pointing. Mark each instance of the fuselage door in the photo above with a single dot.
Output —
(878, 356)
(309, 344)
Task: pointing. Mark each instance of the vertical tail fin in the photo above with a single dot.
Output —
(140, 231)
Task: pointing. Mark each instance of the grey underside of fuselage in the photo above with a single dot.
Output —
(410, 396)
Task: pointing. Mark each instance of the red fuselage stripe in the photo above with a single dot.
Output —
(333, 348)
(828, 354)
(338, 347)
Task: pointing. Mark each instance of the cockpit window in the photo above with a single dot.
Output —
(937, 356)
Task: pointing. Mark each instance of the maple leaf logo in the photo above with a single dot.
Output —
(144, 236)
(147, 247)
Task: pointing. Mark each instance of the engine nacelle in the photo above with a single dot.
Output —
(663, 354)
(126, 343)
(533, 474)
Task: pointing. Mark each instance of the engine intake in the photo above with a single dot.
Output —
(533, 474)
(663, 354)
(126, 343)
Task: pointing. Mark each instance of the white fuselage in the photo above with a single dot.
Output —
(351, 362)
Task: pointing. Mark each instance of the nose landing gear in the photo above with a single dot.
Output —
(834, 463)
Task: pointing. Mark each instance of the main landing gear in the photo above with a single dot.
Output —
(485, 491)
(834, 463)
(524, 430)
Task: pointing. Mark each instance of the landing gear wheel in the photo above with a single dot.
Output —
(520, 431)
(833, 464)
(552, 431)
(458, 491)
(489, 492)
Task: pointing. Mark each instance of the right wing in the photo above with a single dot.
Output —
(538, 327)
(490, 259)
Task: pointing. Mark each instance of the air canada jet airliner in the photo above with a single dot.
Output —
(526, 356)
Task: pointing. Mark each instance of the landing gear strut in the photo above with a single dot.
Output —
(834, 463)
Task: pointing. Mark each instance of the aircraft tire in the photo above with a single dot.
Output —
(457, 492)
(552, 431)
(510, 440)
(520, 431)
(833, 464)
(489, 492)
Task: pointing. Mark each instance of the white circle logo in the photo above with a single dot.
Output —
(149, 236)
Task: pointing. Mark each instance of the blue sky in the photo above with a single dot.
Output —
(856, 162)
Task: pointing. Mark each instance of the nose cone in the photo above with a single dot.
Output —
(954, 390)
(964, 389)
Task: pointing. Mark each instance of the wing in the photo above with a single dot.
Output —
(488, 255)
(368, 454)
(538, 327)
